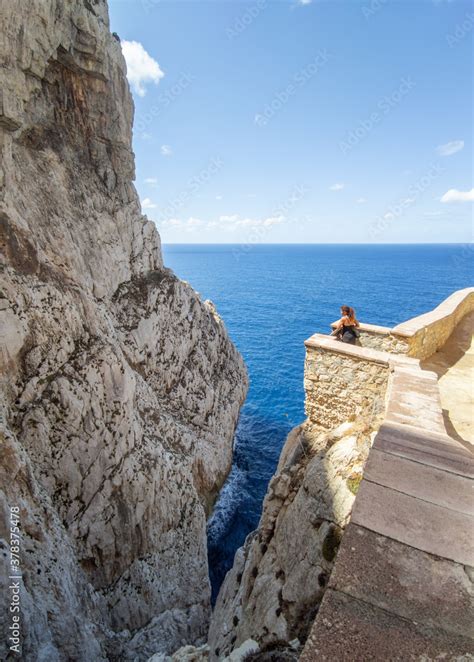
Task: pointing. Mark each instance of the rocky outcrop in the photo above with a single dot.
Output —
(120, 387)
(273, 590)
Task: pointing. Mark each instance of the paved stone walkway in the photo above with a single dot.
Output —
(454, 366)
(402, 585)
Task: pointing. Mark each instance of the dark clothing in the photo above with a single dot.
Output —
(348, 335)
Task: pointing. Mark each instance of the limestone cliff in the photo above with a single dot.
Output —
(120, 387)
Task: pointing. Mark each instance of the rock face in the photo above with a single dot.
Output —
(120, 387)
(279, 576)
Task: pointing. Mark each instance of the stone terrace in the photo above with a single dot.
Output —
(402, 584)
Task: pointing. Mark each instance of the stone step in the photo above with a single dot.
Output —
(403, 580)
(435, 450)
(350, 630)
(412, 521)
(432, 423)
(421, 481)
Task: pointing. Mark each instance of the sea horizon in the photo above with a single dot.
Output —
(321, 243)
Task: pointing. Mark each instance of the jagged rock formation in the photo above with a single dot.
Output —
(120, 387)
(273, 590)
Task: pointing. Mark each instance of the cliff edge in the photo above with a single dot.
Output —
(120, 387)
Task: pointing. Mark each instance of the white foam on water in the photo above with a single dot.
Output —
(227, 503)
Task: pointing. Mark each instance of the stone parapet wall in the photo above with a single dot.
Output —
(344, 382)
(340, 387)
(383, 341)
(380, 338)
(427, 333)
(421, 336)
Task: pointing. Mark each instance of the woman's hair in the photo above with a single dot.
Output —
(349, 312)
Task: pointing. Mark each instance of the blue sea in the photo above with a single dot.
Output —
(273, 297)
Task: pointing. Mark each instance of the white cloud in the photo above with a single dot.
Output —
(433, 213)
(273, 220)
(304, 2)
(166, 150)
(361, 201)
(218, 197)
(388, 216)
(453, 195)
(151, 180)
(148, 204)
(194, 223)
(234, 222)
(450, 148)
(336, 187)
(141, 67)
(189, 225)
(225, 222)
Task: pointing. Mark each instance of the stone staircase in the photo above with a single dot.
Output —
(402, 585)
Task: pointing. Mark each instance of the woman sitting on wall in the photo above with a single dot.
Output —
(346, 327)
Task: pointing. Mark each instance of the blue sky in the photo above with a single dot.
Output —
(302, 121)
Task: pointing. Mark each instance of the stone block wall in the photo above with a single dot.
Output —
(341, 386)
(429, 332)
(382, 340)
